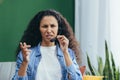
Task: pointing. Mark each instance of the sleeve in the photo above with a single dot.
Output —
(18, 64)
(73, 70)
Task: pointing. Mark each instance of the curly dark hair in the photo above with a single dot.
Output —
(33, 36)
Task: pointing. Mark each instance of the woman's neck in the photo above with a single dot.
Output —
(47, 43)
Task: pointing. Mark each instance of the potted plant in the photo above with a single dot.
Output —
(108, 71)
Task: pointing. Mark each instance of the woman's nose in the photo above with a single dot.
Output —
(48, 29)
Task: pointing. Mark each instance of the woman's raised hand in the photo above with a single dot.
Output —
(25, 51)
(64, 42)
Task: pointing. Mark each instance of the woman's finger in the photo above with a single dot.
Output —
(21, 45)
(24, 45)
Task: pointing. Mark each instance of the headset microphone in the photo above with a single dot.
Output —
(53, 40)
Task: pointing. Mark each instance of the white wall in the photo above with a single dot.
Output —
(95, 22)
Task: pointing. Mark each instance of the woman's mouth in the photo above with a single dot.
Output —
(49, 36)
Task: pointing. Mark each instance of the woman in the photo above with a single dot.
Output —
(47, 50)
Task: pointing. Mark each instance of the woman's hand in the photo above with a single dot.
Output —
(25, 51)
(64, 42)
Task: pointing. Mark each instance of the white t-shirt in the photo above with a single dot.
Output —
(49, 66)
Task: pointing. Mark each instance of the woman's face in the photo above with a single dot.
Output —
(48, 28)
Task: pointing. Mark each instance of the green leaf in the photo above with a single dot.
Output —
(90, 66)
(113, 67)
(117, 74)
(100, 65)
(107, 72)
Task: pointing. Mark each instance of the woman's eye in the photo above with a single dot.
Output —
(52, 25)
(44, 26)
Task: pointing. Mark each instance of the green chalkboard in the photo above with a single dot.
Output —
(15, 15)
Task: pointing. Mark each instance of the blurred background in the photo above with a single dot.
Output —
(93, 22)
(15, 16)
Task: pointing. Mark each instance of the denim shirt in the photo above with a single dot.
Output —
(35, 57)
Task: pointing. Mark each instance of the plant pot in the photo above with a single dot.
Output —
(88, 77)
